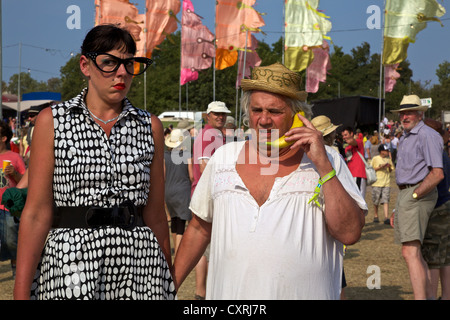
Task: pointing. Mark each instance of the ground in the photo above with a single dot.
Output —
(373, 262)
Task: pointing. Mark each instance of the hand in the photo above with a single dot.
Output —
(311, 141)
(9, 170)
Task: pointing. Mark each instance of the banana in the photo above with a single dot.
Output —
(281, 143)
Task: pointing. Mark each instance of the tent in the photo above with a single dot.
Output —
(355, 112)
(32, 99)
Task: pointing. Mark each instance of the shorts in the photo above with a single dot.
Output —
(177, 225)
(436, 243)
(9, 231)
(411, 215)
(381, 195)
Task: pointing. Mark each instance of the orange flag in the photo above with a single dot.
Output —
(160, 21)
(233, 19)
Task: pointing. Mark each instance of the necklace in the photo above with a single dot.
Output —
(104, 121)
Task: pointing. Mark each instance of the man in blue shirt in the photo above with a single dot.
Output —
(419, 170)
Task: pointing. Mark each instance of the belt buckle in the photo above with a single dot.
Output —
(127, 215)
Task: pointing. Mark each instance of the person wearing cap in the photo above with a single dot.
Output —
(276, 219)
(177, 193)
(418, 171)
(381, 190)
(209, 139)
(436, 242)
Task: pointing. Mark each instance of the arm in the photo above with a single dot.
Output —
(154, 212)
(192, 246)
(430, 182)
(344, 217)
(37, 215)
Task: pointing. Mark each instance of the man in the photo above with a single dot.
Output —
(381, 190)
(354, 161)
(275, 234)
(418, 171)
(207, 142)
(13, 171)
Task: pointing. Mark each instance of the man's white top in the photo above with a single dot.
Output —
(281, 250)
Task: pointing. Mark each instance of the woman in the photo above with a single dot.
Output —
(93, 158)
(178, 182)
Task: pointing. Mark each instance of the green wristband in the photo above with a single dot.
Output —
(322, 180)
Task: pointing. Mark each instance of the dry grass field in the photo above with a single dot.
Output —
(375, 248)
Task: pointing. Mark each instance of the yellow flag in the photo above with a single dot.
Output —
(404, 19)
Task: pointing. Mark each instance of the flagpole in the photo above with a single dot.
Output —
(381, 70)
(284, 27)
(214, 59)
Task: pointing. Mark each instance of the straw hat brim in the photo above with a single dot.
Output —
(331, 129)
(416, 108)
(248, 84)
(172, 144)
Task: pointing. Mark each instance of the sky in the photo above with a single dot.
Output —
(36, 37)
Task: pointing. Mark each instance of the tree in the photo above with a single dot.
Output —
(27, 84)
(72, 78)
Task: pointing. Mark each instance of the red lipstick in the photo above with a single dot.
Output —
(120, 86)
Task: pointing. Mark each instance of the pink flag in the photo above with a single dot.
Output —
(252, 60)
(317, 70)
(390, 76)
(197, 43)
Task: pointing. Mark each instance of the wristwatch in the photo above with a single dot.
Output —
(414, 195)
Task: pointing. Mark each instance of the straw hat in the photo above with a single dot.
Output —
(275, 78)
(184, 124)
(324, 125)
(411, 103)
(176, 138)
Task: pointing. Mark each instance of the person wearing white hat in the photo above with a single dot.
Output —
(209, 139)
(276, 217)
(418, 171)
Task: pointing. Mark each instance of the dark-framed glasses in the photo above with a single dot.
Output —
(108, 63)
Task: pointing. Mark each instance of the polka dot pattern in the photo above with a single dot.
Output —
(93, 170)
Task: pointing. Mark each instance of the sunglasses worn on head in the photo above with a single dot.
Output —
(108, 63)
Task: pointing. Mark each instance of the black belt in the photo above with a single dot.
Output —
(126, 216)
(404, 186)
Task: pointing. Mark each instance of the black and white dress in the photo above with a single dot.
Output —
(94, 170)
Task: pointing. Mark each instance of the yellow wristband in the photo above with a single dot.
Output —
(325, 178)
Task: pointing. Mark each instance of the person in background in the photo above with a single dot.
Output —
(418, 172)
(209, 139)
(354, 161)
(13, 168)
(177, 182)
(436, 242)
(381, 189)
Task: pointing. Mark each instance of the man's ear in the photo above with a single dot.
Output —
(85, 65)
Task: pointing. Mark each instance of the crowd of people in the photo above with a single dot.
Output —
(254, 220)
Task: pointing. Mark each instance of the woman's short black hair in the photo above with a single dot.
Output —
(5, 131)
(107, 37)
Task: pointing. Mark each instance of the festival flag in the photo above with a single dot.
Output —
(250, 59)
(160, 20)
(305, 28)
(390, 76)
(197, 44)
(317, 70)
(235, 21)
(404, 20)
(121, 13)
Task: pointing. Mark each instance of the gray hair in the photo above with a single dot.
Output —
(295, 105)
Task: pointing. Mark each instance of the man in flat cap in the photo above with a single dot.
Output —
(418, 171)
(275, 234)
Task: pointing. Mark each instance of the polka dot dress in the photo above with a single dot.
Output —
(93, 170)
